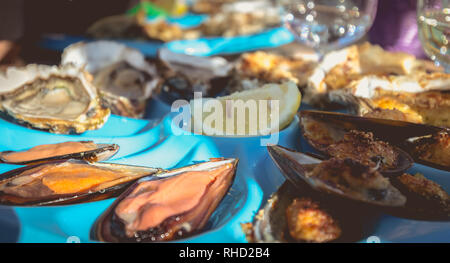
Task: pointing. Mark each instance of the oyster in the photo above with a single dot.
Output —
(174, 205)
(368, 66)
(184, 74)
(426, 144)
(341, 141)
(58, 99)
(67, 182)
(291, 216)
(85, 150)
(257, 68)
(121, 74)
(344, 178)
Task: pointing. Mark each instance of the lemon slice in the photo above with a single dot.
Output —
(254, 112)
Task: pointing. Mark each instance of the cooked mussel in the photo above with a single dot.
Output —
(345, 178)
(341, 140)
(293, 215)
(426, 200)
(173, 205)
(426, 144)
(82, 150)
(67, 182)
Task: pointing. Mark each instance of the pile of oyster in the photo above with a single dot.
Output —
(153, 204)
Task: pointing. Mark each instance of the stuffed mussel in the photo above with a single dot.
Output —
(408, 196)
(83, 150)
(170, 206)
(428, 145)
(341, 140)
(58, 99)
(344, 178)
(121, 74)
(67, 182)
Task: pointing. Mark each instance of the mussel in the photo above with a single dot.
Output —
(67, 182)
(426, 144)
(170, 206)
(83, 150)
(345, 178)
(342, 140)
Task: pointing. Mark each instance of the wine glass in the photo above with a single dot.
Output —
(433, 19)
(326, 25)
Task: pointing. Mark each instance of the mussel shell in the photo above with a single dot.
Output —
(295, 166)
(102, 153)
(64, 199)
(385, 130)
(108, 227)
(270, 225)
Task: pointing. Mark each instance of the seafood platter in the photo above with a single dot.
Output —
(91, 148)
(203, 28)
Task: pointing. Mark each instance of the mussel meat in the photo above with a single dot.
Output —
(84, 150)
(341, 141)
(67, 182)
(171, 206)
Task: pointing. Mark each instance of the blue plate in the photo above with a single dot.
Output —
(207, 46)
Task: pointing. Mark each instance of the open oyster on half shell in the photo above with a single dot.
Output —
(58, 99)
(121, 74)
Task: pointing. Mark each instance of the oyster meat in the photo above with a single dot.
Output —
(122, 74)
(85, 150)
(58, 99)
(67, 182)
(174, 205)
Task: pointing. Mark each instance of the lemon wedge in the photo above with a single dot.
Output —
(254, 112)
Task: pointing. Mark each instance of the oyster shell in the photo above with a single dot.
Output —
(174, 205)
(67, 182)
(58, 99)
(121, 74)
(84, 150)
